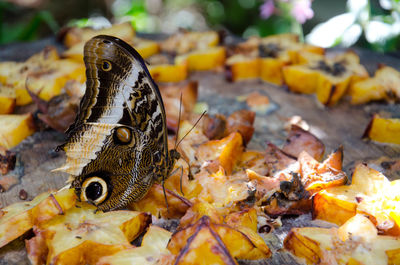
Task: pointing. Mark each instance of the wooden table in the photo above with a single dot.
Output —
(340, 125)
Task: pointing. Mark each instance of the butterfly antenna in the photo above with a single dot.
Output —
(179, 121)
(165, 194)
(191, 129)
(181, 178)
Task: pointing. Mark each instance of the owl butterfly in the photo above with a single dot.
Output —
(117, 146)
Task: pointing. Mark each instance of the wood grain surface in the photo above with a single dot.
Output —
(340, 125)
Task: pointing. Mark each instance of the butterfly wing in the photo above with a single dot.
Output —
(119, 93)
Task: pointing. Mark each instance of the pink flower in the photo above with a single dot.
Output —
(267, 9)
(302, 10)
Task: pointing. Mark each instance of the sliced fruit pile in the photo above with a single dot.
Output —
(229, 195)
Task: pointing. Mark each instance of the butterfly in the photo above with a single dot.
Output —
(117, 147)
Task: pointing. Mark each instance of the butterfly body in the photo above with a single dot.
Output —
(117, 147)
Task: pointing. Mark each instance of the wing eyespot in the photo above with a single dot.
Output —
(94, 190)
(123, 135)
(106, 66)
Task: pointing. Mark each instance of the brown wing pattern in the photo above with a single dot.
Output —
(120, 93)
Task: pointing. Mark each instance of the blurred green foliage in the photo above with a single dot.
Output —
(25, 30)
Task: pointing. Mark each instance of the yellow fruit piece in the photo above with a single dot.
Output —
(271, 70)
(18, 218)
(331, 88)
(169, 72)
(123, 31)
(76, 38)
(14, 128)
(152, 250)
(146, 48)
(75, 52)
(239, 67)
(305, 53)
(231, 243)
(370, 193)
(227, 151)
(300, 79)
(203, 60)
(7, 99)
(355, 242)
(383, 130)
(50, 83)
(44, 74)
(81, 236)
(244, 218)
(328, 77)
(7, 69)
(383, 86)
(184, 41)
(154, 203)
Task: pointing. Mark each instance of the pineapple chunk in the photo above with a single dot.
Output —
(277, 51)
(329, 78)
(169, 72)
(44, 74)
(300, 79)
(75, 36)
(154, 202)
(240, 67)
(383, 130)
(384, 85)
(370, 193)
(146, 48)
(184, 42)
(203, 60)
(7, 99)
(49, 84)
(14, 128)
(226, 151)
(152, 250)
(81, 236)
(18, 218)
(355, 242)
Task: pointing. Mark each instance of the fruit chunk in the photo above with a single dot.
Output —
(184, 41)
(355, 242)
(197, 242)
(73, 36)
(154, 202)
(152, 250)
(226, 151)
(240, 67)
(169, 72)
(203, 60)
(370, 193)
(14, 128)
(383, 86)
(81, 236)
(383, 130)
(7, 99)
(44, 74)
(146, 48)
(18, 218)
(48, 83)
(329, 78)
